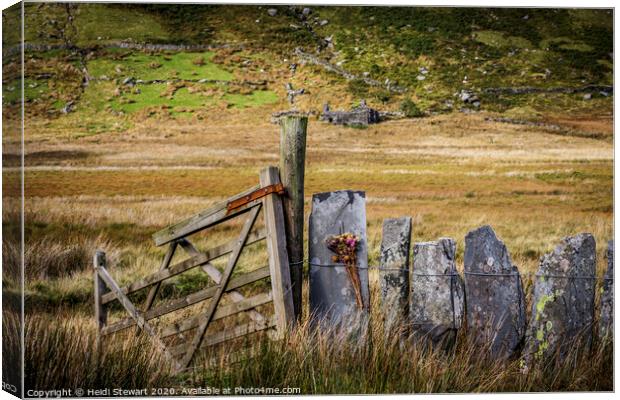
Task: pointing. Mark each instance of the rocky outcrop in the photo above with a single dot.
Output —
(394, 272)
(332, 295)
(437, 293)
(563, 304)
(494, 292)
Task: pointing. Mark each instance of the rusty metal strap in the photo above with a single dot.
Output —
(255, 195)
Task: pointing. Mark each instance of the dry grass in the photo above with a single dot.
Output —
(60, 353)
(327, 361)
(450, 173)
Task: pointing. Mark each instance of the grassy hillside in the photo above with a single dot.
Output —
(434, 53)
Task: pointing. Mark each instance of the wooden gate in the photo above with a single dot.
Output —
(173, 338)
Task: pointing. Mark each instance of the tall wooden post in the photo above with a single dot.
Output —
(278, 258)
(292, 166)
(101, 312)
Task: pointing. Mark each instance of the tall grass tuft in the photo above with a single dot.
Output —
(318, 361)
(60, 353)
(49, 258)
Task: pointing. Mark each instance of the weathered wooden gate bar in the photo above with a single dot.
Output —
(279, 267)
(228, 334)
(101, 311)
(205, 219)
(221, 286)
(189, 300)
(225, 311)
(185, 265)
(216, 275)
(131, 310)
(265, 197)
(150, 298)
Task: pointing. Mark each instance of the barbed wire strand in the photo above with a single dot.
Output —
(472, 273)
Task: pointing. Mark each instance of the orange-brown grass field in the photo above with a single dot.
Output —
(451, 173)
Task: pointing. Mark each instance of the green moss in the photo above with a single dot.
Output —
(540, 306)
(33, 89)
(501, 40)
(97, 23)
(257, 98)
(160, 67)
(154, 96)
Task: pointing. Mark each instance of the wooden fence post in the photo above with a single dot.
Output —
(292, 166)
(101, 312)
(278, 258)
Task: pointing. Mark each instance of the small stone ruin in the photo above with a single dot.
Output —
(358, 116)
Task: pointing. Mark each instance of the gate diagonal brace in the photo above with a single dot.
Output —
(255, 195)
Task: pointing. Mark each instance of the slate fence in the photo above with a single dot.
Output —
(426, 290)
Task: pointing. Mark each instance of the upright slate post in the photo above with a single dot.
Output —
(606, 322)
(332, 296)
(437, 293)
(394, 272)
(292, 167)
(563, 305)
(494, 293)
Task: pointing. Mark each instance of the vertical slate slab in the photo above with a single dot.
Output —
(394, 273)
(494, 292)
(332, 297)
(437, 293)
(606, 322)
(563, 304)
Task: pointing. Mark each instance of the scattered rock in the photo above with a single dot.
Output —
(587, 96)
(272, 12)
(306, 11)
(323, 22)
(563, 302)
(494, 292)
(606, 323)
(470, 98)
(68, 107)
(129, 81)
(394, 273)
(420, 77)
(437, 292)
